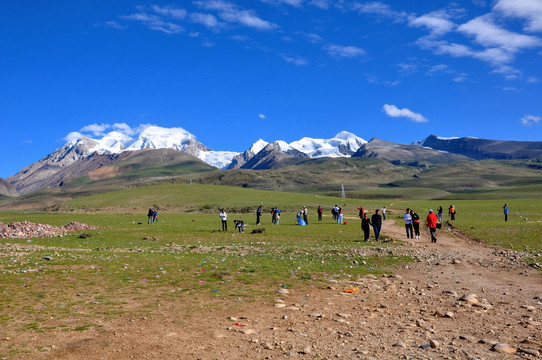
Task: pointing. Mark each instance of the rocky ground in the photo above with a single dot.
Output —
(460, 299)
(27, 230)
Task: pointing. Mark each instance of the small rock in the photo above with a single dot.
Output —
(532, 352)
(504, 348)
(247, 331)
(306, 350)
(283, 291)
(267, 346)
(434, 344)
(470, 298)
(399, 344)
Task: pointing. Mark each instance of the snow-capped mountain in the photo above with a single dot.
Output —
(343, 144)
(260, 154)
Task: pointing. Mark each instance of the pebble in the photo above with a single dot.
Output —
(434, 344)
(504, 348)
(283, 291)
(399, 344)
(532, 352)
(470, 298)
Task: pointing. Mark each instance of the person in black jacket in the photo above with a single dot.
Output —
(376, 222)
(150, 215)
(366, 226)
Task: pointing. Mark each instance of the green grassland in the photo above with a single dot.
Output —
(129, 266)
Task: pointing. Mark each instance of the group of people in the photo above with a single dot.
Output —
(152, 216)
(337, 214)
(375, 222)
(239, 224)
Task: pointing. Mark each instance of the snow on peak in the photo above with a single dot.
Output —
(155, 137)
(341, 145)
(258, 146)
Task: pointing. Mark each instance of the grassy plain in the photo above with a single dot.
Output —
(129, 267)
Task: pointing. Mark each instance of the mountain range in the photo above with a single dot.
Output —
(179, 151)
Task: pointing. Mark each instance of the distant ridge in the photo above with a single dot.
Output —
(402, 154)
(100, 158)
(483, 149)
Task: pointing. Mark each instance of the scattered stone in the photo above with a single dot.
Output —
(532, 352)
(399, 344)
(434, 344)
(503, 348)
(279, 305)
(470, 298)
(467, 338)
(247, 331)
(267, 346)
(283, 291)
(317, 315)
(306, 350)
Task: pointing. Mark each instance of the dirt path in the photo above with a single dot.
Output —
(418, 313)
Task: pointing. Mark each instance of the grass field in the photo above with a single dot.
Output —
(128, 266)
(182, 259)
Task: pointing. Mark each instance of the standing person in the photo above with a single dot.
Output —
(224, 218)
(408, 224)
(505, 210)
(273, 215)
(384, 213)
(365, 226)
(452, 212)
(415, 223)
(439, 214)
(340, 215)
(150, 215)
(376, 222)
(258, 214)
(334, 212)
(155, 215)
(431, 223)
(305, 215)
(276, 216)
(320, 213)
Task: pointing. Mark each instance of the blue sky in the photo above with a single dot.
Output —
(231, 72)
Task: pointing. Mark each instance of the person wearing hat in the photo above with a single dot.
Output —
(431, 223)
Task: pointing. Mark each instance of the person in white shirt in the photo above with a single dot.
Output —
(408, 224)
(224, 218)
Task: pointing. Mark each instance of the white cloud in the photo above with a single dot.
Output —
(530, 120)
(95, 129)
(155, 22)
(296, 3)
(74, 135)
(322, 4)
(169, 11)
(528, 10)
(296, 60)
(379, 8)
(394, 111)
(261, 116)
(208, 20)
(344, 51)
(114, 25)
(488, 34)
(230, 13)
(437, 22)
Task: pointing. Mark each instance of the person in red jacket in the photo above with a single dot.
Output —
(431, 223)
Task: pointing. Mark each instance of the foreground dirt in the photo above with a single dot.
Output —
(459, 300)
